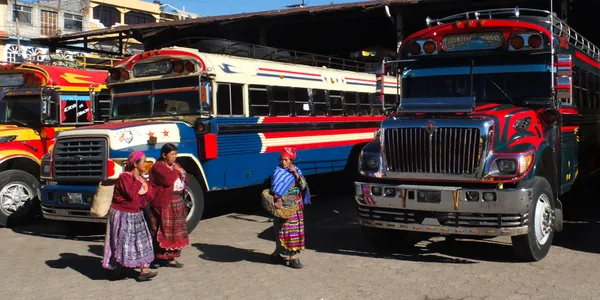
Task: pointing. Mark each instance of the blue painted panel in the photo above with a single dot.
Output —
(480, 70)
(249, 169)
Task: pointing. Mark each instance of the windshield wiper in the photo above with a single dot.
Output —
(131, 117)
(499, 88)
(22, 123)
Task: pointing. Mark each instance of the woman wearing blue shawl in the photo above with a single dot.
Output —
(288, 182)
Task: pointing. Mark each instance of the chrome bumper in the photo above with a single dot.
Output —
(77, 215)
(453, 214)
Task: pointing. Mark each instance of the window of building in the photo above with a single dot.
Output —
(319, 102)
(335, 103)
(49, 23)
(230, 100)
(134, 17)
(108, 15)
(280, 97)
(351, 103)
(22, 13)
(259, 102)
(301, 102)
(73, 22)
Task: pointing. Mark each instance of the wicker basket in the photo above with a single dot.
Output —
(289, 208)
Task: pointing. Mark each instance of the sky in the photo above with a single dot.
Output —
(227, 7)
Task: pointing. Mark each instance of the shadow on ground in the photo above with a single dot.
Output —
(229, 254)
(88, 266)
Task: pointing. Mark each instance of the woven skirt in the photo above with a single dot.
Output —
(289, 234)
(128, 242)
(168, 226)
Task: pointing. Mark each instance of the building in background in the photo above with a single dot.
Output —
(24, 20)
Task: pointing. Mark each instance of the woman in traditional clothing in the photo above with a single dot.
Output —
(128, 243)
(167, 209)
(287, 181)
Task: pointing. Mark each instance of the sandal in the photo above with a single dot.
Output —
(175, 265)
(295, 263)
(146, 276)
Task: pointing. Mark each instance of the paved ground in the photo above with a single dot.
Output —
(228, 259)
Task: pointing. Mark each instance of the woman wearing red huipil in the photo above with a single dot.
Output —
(167, 209)
(128, 243)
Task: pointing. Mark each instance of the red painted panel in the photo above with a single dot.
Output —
(210, 146)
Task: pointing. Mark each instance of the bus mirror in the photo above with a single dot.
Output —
(46, 104)
(93, 103)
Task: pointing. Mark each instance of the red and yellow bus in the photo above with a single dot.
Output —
(36, 102)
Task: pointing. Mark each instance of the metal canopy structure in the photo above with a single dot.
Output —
(336, 29)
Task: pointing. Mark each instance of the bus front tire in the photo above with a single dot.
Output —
(195, 197)
(536, 244)
(19, 195)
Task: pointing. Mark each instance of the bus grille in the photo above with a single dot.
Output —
(78, 159)
(445, 151)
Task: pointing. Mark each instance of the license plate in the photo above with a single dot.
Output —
(429, 196)
(74, 198)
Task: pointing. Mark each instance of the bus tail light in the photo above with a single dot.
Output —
(517, 42)
(414, 48)
(189, 66)
(209, 146)
(115, 75)
(124, 74)
(429, 47)
(534, 41)
(178, 67)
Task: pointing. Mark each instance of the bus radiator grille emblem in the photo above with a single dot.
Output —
(430, 127)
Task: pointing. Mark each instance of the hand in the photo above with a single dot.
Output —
(144, 189)
(292, 169)
(278, 203)
(179, 169)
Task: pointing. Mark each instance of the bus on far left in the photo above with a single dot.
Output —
(36, 102)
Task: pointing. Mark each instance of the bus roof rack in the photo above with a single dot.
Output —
(73, 61)
(559, 27)
(241, 49)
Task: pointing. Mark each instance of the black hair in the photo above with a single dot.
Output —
(167, 148)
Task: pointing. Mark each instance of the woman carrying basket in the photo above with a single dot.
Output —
(289, 191)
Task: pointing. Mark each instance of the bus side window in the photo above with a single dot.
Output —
(229, 99)
(364, 107)
(301, 103)
(376, 110)
(102, 112)
(336, 104)
(391, 100)
(258, 100)
(319, 102)
(576, 87)
(280, 97)
(351, 101)
(596, 91)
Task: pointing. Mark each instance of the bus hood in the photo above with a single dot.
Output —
(131, 134)
(10, 133)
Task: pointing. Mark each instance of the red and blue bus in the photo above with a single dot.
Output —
(229, 115)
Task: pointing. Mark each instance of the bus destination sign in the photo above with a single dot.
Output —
(473, 41)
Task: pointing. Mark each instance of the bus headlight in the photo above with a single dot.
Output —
(370, 163)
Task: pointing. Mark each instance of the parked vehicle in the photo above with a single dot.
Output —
(498, 110)
(36, 102)
(228, 115)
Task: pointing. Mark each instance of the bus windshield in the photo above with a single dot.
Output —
(500, 81)
(21, 110)
(178, 96)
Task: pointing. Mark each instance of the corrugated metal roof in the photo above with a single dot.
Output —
(229, 18)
